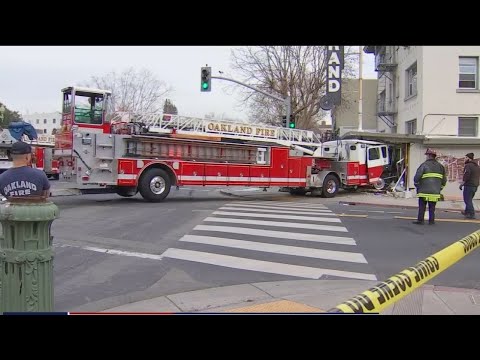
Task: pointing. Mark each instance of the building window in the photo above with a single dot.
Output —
(54, 121)
(38, 121)
(411, 81)
(468, 73)
(468, 126)
(411, 127)
(44, 121)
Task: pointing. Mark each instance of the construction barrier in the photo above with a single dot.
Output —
(379, 297)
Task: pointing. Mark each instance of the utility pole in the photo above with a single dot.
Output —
(360, 100)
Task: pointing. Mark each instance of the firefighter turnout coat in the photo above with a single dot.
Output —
(430, 179)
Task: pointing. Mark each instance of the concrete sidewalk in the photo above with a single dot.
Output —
(305, 296)
(390, 200)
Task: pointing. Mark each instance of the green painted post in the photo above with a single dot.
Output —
(26, 255)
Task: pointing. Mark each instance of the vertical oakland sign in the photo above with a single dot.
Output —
(335, 63)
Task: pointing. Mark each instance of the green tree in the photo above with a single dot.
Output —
(169, 108)
(7, 115)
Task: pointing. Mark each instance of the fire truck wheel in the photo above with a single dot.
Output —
(154, 185)
(330, 186)
(380, 184)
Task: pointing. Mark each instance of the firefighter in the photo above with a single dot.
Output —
(21, 180)
(429, 181)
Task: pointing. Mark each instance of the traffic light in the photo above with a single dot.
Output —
(206, 84)
(291, 124)
(284, 121)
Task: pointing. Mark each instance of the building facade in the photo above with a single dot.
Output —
(345, 117)
(431, 92)
(44, 123)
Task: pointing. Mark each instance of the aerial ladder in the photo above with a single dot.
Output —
(209, 129)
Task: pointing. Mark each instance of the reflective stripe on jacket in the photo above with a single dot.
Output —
(430, 179)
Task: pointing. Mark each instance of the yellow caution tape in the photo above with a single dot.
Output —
(379, 297)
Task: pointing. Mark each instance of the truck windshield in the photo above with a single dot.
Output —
(89, 108)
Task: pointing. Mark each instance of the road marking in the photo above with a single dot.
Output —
(277, 223)
(278, 234)
(352, 215)
(444, 220)
(280, 207)
(260, 266)
(294, 211)
(372, 211)
(277, 249)
(283, 203)
(276, 216)
(116, 252)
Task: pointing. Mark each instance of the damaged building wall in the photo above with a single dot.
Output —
(452, 158)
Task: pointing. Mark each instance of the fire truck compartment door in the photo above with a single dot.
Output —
(47, 160)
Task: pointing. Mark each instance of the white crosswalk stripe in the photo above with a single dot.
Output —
(278, 249)
(276, 216)
(339, 240)
(234, 208)
(299, 240)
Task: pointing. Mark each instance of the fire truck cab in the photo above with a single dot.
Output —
(359, 162)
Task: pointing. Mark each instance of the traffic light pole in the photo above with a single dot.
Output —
(286, 100)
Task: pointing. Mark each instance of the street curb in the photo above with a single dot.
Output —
(392, 205)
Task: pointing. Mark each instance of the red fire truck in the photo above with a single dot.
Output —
(150, 153)
(43, 160)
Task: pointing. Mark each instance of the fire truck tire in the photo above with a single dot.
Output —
(154, 185)
(380, 184)
(126, 191)
(298, 192)
(330, 186)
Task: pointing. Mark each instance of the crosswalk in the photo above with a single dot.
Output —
(301, 240)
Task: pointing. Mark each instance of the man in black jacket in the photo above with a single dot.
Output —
(429, 180)
(471, 175)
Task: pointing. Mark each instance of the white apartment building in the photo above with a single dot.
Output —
(430, 96)
(44, 123)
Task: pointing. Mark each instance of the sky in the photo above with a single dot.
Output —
(31, 77)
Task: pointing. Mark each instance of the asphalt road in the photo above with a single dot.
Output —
(134, 233)
(112, 250)
(391, 244)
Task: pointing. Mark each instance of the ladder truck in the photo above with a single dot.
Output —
(126, 153)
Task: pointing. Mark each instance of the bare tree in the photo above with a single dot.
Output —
(295, 71)
(132, 91)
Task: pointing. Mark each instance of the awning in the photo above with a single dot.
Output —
(451, 140)
(384, 137)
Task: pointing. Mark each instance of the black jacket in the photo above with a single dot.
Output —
(430, 179)
(471, 174)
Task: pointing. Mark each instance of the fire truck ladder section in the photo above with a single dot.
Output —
(182, 125)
